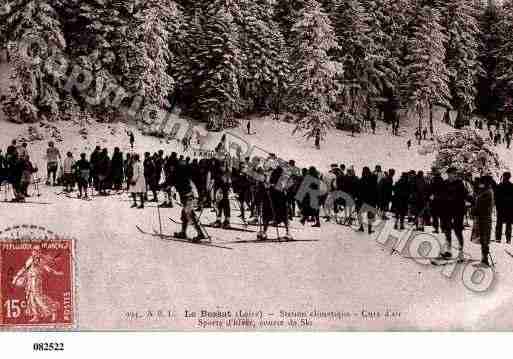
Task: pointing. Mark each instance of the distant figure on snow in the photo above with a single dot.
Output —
(132, 139)
(408, 144)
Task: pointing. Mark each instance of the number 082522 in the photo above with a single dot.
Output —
(48, 346)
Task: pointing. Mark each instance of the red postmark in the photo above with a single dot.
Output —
(36, 283)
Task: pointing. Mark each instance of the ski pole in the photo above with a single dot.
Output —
(160, 221)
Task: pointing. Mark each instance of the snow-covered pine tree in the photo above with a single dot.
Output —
(503, 85)
(186, 69)
(286, 14)
(359, 55)
(104, 24)
(397, 19)
(35, 32)
(462, 57)
(383, 67)
(150, 38)
(219, 62)
(426, 71)
(487, 99)
(315, 84)
(266, 57)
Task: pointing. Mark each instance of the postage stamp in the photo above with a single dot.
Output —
(36, 279)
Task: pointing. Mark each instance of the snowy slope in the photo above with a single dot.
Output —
(120, 270)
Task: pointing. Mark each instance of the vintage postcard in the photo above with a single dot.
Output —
(336, 165)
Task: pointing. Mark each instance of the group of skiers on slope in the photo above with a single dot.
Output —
(273, 191)
(17, 169)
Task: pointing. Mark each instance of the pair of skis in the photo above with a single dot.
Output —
(216, 227)
(170, 237)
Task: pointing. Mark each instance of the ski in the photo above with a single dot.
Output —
(181, 240)
(272, 240)
(212, 226)
(26, 202)
(443, 262)
(248, 224)
(508, 253)
(82, 199)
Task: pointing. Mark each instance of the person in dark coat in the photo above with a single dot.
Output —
(241, 186)
(83, 168)
(419, 204)
(436, 190)
(367, 195)
(308, 209)
(117, 169)
(386, 188)
(150, 175)
(95, 156)
(453, 211)
(223, 183)
(400, 200)
(482, 212)
(102, 170)
(170, 167)
(188, 193)
(504, 206)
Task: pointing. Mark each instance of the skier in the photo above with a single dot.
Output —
(453, 212)
(170, 166)
(241, 186)
(275, 205)
(373, 126)
(504, 206)
(436, 192)
(222, 178)
(367, 195)
(424, 133)
(138, 183)
(386, 188)
(27, 169)
(482, 211)
(52, 157)
(117, 169)
(188, 193)
(131, 139)
(308, 210)
(419, 200)
(400, 200)
(248, 126)
(318, 139)
(150, 175)
(83, 172)
(68, 167)
(94, 162)
(102, 169)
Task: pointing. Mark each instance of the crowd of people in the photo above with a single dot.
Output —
(271, 192)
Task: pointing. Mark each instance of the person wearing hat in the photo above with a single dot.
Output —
(452, 212)
(504, 206)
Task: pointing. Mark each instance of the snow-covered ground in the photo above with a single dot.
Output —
(120, 270)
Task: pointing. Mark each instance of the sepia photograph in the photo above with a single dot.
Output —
(224, 166)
